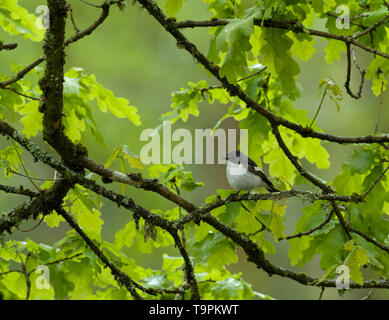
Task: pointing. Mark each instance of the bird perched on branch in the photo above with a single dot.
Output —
(244, 174)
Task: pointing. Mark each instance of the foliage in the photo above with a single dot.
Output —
(240, 49)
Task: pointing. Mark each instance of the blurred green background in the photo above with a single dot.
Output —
(133, 56)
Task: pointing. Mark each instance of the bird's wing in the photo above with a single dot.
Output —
(258, 172)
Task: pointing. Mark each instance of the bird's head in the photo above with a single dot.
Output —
(235, 156)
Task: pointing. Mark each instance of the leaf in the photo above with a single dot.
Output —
(125, 237)
(216, 249)
(355, 260)
(302, 48)
(91, 222)
(312, 150)
(32, 120)
(113, 156)
(277, 226)
(174, 175)
(330, 86)
(173, 6)
(297, 247)
(53, 220)
(85, 87)
(279, 165)
(276, 56)
(132, 158)
(9, 159)
(258, 131)
(232, 288)
(348, 183)
(184, 102)
(119, 107)
(234, 39)
(360, 162)
(171, 264)
(333, 50)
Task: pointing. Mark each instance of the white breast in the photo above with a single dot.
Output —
(241, 179)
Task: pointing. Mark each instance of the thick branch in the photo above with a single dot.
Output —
(20, 191)
(8, 46)
(44, 203)
(52, 84)
(137, 181)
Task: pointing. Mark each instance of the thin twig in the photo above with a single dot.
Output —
(348, 76)
(24, 270)
(374, 183)
(57, 261)
(371, 28)
(307, 233)
(8, 46)
(252, 75)
(34, 227)
(73, 20)
(342, 222)
(21, 94)
(321, 292)
(318, 109)
(370, 239)
(29, 177)
(367, 297)
(91, 4)
(24, 167)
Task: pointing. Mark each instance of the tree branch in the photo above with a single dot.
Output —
(371, 28)
(369, 239)
(8, 46)
(348, 77)
(307, 233)
(20, 191)
(294, 26)
(44, 203)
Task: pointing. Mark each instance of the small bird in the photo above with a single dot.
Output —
(244, 174)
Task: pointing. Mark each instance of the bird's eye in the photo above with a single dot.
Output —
(238, 162)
